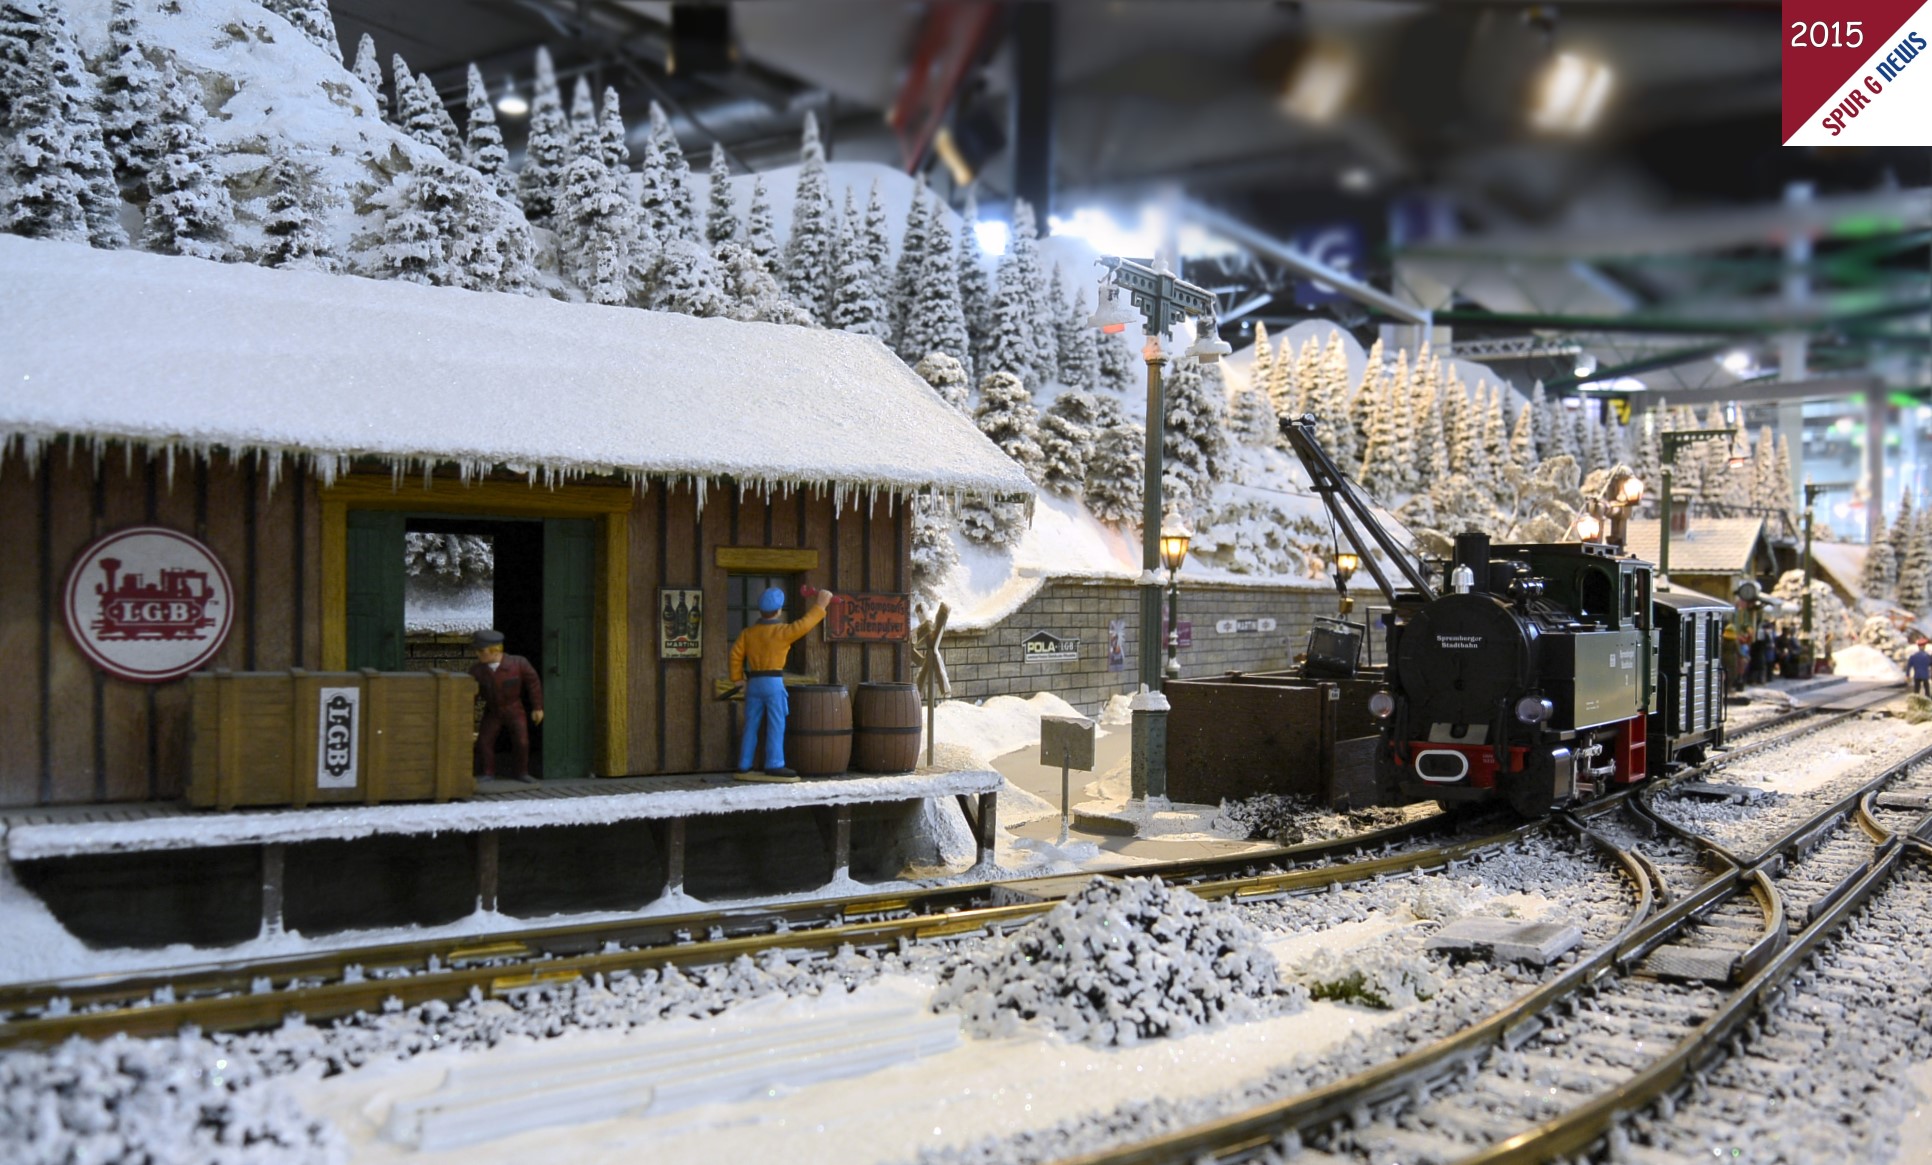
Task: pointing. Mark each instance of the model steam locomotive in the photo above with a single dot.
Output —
(1547, 674)
(1543, 674)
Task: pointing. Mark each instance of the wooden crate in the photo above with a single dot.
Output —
(259, 738)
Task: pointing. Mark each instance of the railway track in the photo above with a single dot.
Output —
(1556, 1072)
(255, 994)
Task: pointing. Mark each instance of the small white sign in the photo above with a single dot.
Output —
(1243, 626)
(338, 737)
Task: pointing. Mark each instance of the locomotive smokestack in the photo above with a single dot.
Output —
(110, 566)
(1472, 551)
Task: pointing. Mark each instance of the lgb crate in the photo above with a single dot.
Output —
(303, 738)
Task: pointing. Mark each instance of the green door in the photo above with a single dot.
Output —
(569, 608)
(375, 615)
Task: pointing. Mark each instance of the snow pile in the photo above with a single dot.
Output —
(1121, 961)
(1862, 662)
(153, 1102)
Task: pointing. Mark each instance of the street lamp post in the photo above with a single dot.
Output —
(1173, 554)
(1811, 497)
(1164, 301)
(1669, 442)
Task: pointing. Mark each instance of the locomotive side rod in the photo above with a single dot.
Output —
(1340, 496)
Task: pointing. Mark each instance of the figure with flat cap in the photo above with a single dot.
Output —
(507, 683)
(757, 662)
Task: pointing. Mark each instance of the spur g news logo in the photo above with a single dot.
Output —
(1856, 72)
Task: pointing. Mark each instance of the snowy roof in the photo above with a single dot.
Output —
(157, 349)
(1710, 546)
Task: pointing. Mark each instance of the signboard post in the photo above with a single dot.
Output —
(1068, 742)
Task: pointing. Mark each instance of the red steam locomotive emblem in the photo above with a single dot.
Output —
(148, 603)
(132, 608)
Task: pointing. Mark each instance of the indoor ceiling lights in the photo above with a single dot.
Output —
(1318, 85)
(1569, 93)
(511, 103)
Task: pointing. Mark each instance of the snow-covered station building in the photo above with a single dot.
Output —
(298, 426)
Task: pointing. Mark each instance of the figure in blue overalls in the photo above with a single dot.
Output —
(758, 662)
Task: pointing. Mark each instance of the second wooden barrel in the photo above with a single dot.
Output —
(887, 738)
(818, 730)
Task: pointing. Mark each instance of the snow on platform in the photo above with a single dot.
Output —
(43, 834)
(423, 375)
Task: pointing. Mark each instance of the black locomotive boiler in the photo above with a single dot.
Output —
(1545, 674)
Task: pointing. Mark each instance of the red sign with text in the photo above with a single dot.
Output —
(871, 618)
(1857, 73)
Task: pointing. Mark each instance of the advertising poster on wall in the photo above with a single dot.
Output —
(680, 622)
(1116, 645)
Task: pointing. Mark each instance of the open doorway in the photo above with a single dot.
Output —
(419, 585)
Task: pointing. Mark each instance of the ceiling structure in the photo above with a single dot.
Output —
(1664, 213)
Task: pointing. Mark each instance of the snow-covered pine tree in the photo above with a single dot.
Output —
(1120, 367)
(1431, 438)
(810, 245)
(1194, 439)
(753, 292)
(611, 138)
(1290, 375)
(1781, 467)
(441, 223)
(1765, 486)
(583, 119)
(1025, 250)
(1006, 414)
(540, 181)
(933, 554)
(1496, 453)
(1596, 446)
(55, 159)
(876, 240)
(856, 306)
(1523, 446)
(1066, 442)
(130, 97)
(656, 202)
(1903, 525)
(689, 280)
(483, 142)
(1252, 419)
(1079, 360)
(1107, 412)
(594, 219)
(760, 238)
(189, 211)
(1462, 427)
(368, 70)
(1009, 346)
(904, 277)
(1543, 444)
(934, 320)
(1401, 403)
(1362, 404)
(312, 19)
(1644, 456)
(1915, 574)
(1263, 356)
(682, 211)
(445, 121)
(1563, 432)
(416, 106)
(975, 289)
(947, 377)
(1381, 473)
(1880, 572)
(295, 239)
(1328, 399)
(1115, 471)
(720, 220)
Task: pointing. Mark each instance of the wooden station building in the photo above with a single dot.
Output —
(298, 425)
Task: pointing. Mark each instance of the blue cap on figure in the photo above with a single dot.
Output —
(772, 601)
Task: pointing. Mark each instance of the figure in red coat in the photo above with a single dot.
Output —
(506, 683)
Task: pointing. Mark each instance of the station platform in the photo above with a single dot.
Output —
(143, 874)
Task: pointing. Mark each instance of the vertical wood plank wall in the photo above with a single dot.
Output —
(76, 734)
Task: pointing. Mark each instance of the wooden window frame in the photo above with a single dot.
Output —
(610, 505)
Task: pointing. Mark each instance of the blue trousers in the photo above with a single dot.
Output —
(765, 706)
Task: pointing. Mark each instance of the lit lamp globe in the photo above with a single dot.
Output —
(1174, 548)
(1209, 347)
(1631, 491)
(1110, 315)
(1588, 528)
(1346, 565)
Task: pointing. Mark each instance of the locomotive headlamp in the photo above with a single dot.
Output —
(1381, 705)
(1534, 710)
(1588, 528)
(1632, 491)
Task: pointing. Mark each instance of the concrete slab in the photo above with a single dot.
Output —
(1921, 799)
(1506, 940)
(1703, 964)
(1717, 791)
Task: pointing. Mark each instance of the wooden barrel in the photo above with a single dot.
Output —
(887, 740)
(818, 730)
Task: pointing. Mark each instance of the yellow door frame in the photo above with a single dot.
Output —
(609, 505)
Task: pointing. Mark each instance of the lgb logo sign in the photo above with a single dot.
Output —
(148, 604)
(336, 731)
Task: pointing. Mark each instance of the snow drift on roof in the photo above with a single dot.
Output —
(160, 350)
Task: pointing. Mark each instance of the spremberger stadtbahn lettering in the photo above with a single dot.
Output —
(1856, 73)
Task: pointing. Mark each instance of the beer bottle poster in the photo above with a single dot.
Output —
(148, 604)
(680, 622)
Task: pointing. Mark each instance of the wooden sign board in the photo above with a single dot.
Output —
(870, 618)
(1066, 740)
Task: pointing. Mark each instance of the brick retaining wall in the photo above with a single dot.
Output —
(992, 662)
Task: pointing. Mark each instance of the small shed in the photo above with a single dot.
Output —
(642, 477)
(1713, 555)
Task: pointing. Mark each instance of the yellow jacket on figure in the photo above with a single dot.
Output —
(758, 661)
